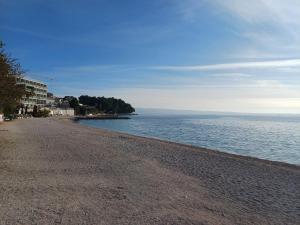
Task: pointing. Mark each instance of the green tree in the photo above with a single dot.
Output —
(40, 112)
(35, 111)
(10, 92)
(106, 105)
(74, 103)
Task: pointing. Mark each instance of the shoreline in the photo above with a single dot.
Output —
(100, 117)
(217, 151)
(57, 170)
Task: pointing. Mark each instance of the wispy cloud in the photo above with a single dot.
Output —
(82, 39)
(188, 9)
(31, 33)
(275, 12)
(295, 70)
(94, 70)
(231, 75)
(269, 25)
(279, 12)
(234, 66)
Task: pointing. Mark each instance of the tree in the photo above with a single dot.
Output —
(40, 112)
(106, 105)
(35, 111)
(74, 103)
(10, 92)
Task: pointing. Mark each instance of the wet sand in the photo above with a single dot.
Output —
(54, 171)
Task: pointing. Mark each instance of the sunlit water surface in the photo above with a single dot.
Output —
(268, 137)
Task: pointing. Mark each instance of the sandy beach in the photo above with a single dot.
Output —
(55, 171)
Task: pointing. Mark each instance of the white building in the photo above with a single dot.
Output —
(37, 93)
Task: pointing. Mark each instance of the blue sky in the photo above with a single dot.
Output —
(211, 55)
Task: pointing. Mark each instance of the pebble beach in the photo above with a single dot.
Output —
(56, 171)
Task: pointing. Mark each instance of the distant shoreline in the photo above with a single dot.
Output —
(256, 137)
(216, 151)
(101, 117)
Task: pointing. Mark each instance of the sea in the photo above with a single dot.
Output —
(271, 137)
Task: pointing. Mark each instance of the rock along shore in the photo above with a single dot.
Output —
(54, 171)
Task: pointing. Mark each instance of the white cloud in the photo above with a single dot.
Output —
(268, 28)
(269, 84)
(250, 11)
(268, 11)
(295, 70)
(188, 9)
(232, 75)
(234, 66)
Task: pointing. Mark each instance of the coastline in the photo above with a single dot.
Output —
(267, 138)
(195, 147)
(94, 175)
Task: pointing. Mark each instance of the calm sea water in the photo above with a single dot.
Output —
(268, 137)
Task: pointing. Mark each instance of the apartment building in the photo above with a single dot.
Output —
(37, 93)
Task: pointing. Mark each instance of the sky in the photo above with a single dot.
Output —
(207, 55)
